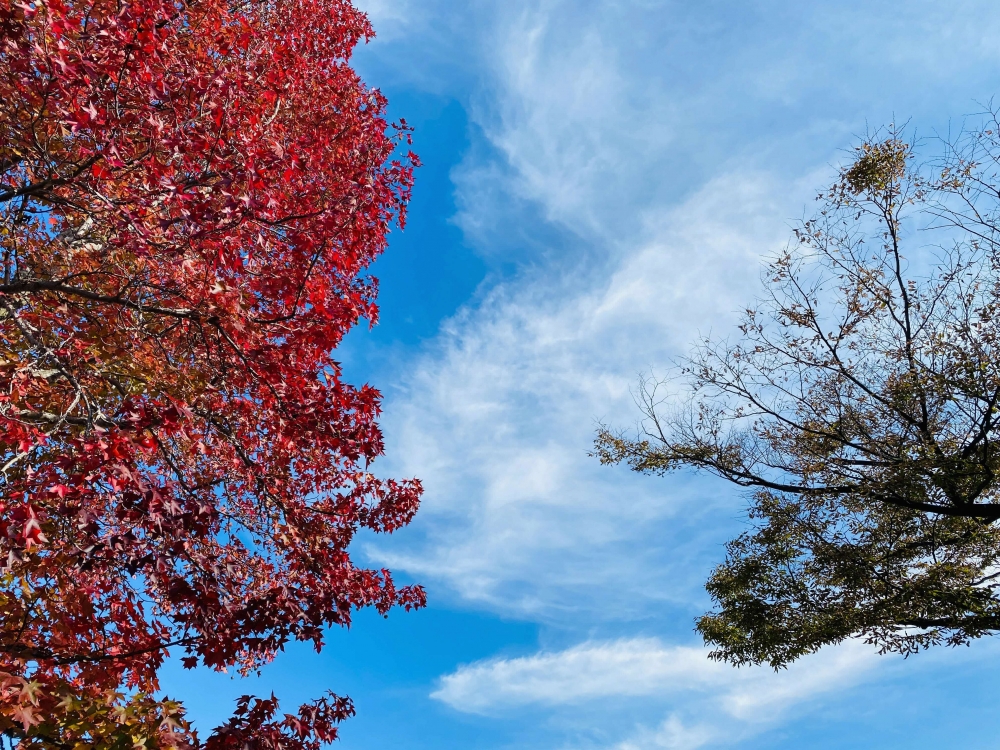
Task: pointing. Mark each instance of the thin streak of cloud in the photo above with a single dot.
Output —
(707, 702)
(630, 667)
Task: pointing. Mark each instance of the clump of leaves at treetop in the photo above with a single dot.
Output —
(190, 193)
(860, 405)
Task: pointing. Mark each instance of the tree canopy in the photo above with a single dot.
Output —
(860, 406)
(190, 193)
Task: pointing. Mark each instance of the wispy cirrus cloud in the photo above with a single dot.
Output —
(628, 667)
(706, 702)
(633, 161)
(499, 415)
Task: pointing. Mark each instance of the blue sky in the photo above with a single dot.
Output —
(601, 181)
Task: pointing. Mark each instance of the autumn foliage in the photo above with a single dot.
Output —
(190, 193)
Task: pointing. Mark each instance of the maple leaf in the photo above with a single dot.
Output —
(26, 715)
(30, 691)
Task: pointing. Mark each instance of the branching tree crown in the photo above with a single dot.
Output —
(190, 194)
(860, 404)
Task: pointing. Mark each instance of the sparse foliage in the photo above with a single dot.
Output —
(860, 404)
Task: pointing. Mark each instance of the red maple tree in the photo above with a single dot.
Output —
(190, 193)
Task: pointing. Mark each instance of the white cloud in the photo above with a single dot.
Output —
(602, 111)
(672, 734)
(634, 667)
(499, 416)
(634, 159)
(707, 702)
(657, 149)
(573, 126)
